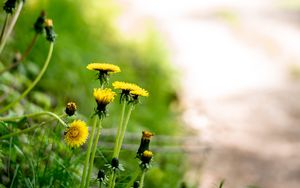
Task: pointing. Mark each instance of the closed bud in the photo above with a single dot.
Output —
(71, 108)
(50, 34)
(146, 157)
(39, 23)
(115, 162)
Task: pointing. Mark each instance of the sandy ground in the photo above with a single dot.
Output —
(240, 90)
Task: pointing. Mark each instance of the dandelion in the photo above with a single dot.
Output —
(140, 92)
(144, 145)
(104, 69)
(76, 134)
(129, 91)
(103, 97)
(71, 108)
(50, 34)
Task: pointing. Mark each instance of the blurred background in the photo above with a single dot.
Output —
(238, 64)
(223, 77)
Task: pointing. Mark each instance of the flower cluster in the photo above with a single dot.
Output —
(129, 94)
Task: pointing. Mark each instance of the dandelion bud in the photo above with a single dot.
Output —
(101, 175)
(146, 157)
(50, 34)
(145, 141)
(115, 163)
(70, 108)
(9, 6)
(39, 23)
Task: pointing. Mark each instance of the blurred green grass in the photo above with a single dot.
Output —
(86, 33)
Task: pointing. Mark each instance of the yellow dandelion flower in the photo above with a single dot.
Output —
(140, 92)
(104, 70)
(103, 97)
(76, 134)
(125, 86)
(130, 91)
(104, 67)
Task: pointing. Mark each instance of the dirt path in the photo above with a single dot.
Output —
(240, 69)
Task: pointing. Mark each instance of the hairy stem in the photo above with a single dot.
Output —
(4, 28)
(124, 129)
(142, 178)
(119, 131)
(99, 127)
(88, 153)
(34, 115)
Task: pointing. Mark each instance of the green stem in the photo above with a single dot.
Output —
(122, 134)
(11, 25)
(124, 130)
(87, 183)
(34, 115)
(4, 27)
(88, 153)
(34, 82)
(112, 179)
(142, 179)
(119, 130)
(24, 55)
